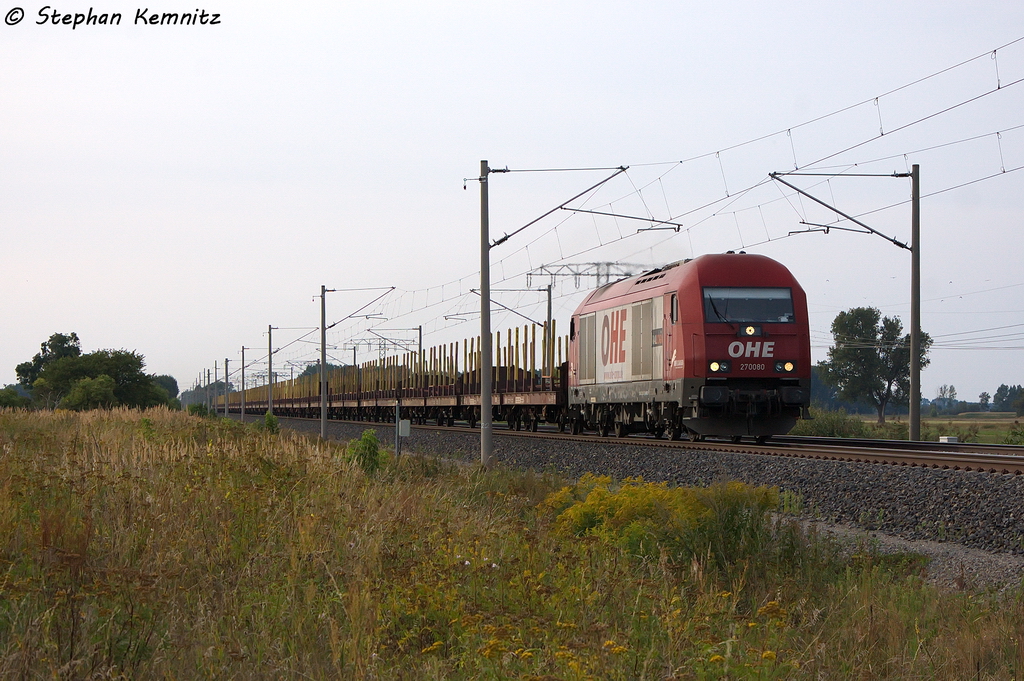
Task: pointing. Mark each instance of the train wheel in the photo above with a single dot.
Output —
(533, 424)
(576, 426)
(621, 429)
(561, 423)
(604, 429)
(658, 433)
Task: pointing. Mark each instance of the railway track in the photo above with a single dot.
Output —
(997, 459)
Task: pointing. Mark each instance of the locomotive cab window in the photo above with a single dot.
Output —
(742, 305)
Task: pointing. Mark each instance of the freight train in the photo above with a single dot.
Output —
(717, 345)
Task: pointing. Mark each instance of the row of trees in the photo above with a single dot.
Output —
(60, 375)
(1007, 398)
(869, 364)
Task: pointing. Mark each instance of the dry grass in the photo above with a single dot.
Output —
(162, 545)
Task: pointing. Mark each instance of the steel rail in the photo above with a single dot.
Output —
(997, 459)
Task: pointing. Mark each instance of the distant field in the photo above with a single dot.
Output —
(990, 428)
(984, 427)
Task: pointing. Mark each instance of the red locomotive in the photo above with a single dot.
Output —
(718, 345)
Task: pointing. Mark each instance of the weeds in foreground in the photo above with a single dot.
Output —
(1016, 434)
(173, 546)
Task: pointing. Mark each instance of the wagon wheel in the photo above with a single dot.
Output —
(576, 426)
(561, 423)
(472, 420)
(658, 432)
(604, 428)
(533, 424)
(621, 430)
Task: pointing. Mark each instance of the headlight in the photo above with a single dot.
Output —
(750, 330)
(719, 367)
(785, 367)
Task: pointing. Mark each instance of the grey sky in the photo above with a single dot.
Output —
(174, 189)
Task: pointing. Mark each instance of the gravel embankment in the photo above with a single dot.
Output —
(971, 524)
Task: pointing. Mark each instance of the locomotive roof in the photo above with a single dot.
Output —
(735, 269)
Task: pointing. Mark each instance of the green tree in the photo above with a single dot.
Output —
(91, 393)
(168, 383)
(1005, 396)
(983, 400)
(57, 347)
(314, 369)
(9, 397)
(870, 359)
(132, 386)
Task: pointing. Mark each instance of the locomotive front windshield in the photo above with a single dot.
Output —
(742, 305)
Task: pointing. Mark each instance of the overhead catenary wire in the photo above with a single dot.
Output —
(511, 274)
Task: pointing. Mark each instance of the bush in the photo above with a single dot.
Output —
(366, 452)
(198, 409)
(729, 521)
(890, 430)
(1015, 436)
(830, 424)
(269, 424)
(91, 393)
(9, 397)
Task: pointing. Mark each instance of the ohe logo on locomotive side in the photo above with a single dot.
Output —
(613, 338)
(752, 349)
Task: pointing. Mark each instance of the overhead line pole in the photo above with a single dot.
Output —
(242, 418)
(227, 387)
(270, 369)
(915, 273)
(915, 303)
(323, 360)
(486, 425)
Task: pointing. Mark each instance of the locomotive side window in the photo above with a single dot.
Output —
(588, 348)
(735, 304)
(572, 329)
(675, 309)
(642, 340)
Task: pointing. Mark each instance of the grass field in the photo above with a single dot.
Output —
(160, 545)
(990, 427)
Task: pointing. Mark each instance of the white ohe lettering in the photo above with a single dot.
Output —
(752, 349)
